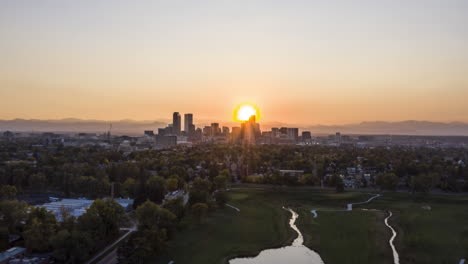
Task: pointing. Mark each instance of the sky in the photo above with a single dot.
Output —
(303, 62)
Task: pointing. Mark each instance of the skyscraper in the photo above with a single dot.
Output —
(176, 122)
(189, 128)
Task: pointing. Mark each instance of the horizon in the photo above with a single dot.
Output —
(327, 62)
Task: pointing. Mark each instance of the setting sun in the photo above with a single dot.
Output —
(244, 111)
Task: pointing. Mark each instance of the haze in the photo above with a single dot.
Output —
(303, 62)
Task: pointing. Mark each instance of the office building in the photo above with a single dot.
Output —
(306, 135)
(189, 128)
(176, 123)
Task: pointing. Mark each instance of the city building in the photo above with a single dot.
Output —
(176, 123)
(165, 141)
(76, 207)
(306, 135)
(12, 253)
(215, 130)
(189, 128)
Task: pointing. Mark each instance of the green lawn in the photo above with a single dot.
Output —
(439, 235)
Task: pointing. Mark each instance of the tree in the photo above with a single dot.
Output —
(309, 179)
(172, 184)
(200, 191)
(199, 210)
(221, 198)
(176, 206)
(387, 181)
(151, 216)
(12, 214)
(339, 185)
(421, 182)
(129, 187)
(38, 181)
(8, 192)
(74, 247)
(101, 220)
(156, 188)
(220, 182)
(40, 226)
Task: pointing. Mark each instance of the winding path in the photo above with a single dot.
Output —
(396, 258)
(233, 207)
(349, 207)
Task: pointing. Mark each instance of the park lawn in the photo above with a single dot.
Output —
(347, 237)
(261, 224)
(438, 235)
(226, 233)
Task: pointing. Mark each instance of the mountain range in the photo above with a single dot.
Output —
(132, 127)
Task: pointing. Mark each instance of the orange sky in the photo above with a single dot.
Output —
(326, 62)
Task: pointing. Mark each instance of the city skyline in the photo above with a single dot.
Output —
(326, 62)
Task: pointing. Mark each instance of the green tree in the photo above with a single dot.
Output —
(151, 216)
(199, 210)
(339, 185)
(12, 214)
(221, 198)
(102, 221)
(387, 181)
(40, 226)
(129, 187)
(421, 182)
(200, 191)
(172, 184)
(176, 206)
(74, 247)
(156, 188)
(8, 192)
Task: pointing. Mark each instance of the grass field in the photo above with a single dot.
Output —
(439, 235)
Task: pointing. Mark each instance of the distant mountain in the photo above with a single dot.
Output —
(410, 127)
(132, 127)
(73, 125)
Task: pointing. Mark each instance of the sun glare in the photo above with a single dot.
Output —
(244, 111)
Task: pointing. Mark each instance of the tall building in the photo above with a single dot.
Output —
(215, 129)
(306, 135)
(250, 130)
(176, 123)
(189, 128)
(293, 133)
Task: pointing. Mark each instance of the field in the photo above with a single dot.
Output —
(435, 235)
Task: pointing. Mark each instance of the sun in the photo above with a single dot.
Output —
(243, 112)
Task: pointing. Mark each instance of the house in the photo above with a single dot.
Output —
(11, 253)
(292, 173)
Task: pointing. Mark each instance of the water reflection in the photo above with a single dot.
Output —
(297, 253)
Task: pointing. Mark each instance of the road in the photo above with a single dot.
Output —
(113, 253)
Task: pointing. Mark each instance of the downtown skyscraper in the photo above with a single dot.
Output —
(176, 123)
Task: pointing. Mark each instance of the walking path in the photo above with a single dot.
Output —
(396, 258)
(233, 207)
(349, 207)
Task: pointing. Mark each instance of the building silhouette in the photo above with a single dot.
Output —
(176, 123)
(189, 127)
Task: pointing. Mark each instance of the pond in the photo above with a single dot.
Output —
(297, 253)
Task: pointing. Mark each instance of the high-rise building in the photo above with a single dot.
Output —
(189, 128)
(215, 129)
(176, 123)
(293, 133)
(225, 130)
(338, 137)
(306, 135)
